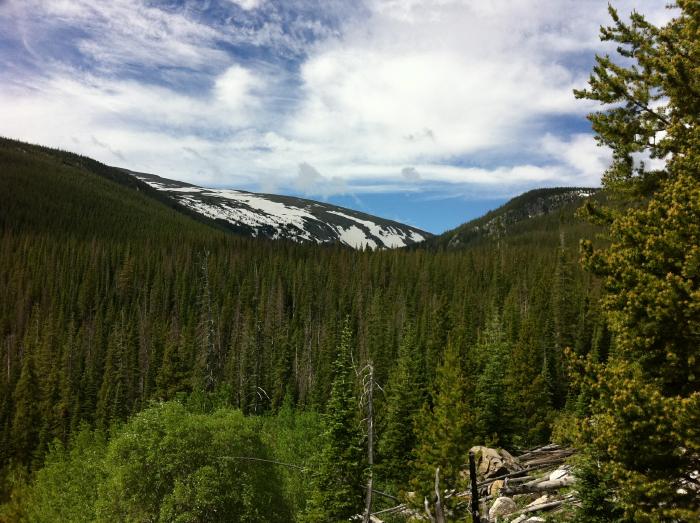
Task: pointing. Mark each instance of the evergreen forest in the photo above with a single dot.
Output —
(156, 367)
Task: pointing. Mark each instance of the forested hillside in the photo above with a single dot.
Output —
(112, 300)
(158, 368)
(540, 212)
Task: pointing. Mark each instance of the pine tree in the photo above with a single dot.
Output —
(208, 361)
(116, 396)
(26, 420)
(491, 423)
(339, 482)
(404, 397)
(174, 373)
(642, 433)
(527, 398)
(444, 428)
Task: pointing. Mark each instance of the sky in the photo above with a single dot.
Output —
(429, 112)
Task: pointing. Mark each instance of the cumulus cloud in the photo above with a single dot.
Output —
(234, 88)
(307, 177)
(393, 95)
(581, 156)
(435, 80)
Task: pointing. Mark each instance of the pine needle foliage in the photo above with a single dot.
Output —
(339, 480)
(642, 433)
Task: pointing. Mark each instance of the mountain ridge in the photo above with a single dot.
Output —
(279, 217)
(529, 210)
(276, 217)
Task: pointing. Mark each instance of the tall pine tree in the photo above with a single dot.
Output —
(405, 395)
(444, 429)
(339, 482)
(641, 440)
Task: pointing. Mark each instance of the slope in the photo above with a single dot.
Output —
(286, 217)
(539, 215)
(48, 191)
(112, 300)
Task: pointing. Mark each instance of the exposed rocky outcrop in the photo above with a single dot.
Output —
(494, 462)
(536, 481)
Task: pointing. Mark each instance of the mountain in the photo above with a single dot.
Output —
(286, 217)
(540, 212)
(117, 297)
(45, 191)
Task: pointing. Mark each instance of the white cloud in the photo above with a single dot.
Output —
(405, 96)
(248, 4)
(475, 74)
(583, 158)
(311, 182)
(234, 88)
(123, 32)
(369, 102)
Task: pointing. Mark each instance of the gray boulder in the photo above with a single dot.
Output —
(502, 507)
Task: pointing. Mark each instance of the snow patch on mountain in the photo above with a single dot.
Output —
(355, 237)
(285, 217)
(391, 237)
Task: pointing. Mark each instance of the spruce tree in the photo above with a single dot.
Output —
(338, 485)
(173, 375)
(404, 397)
(207, 366)
(26, 420)
(444, 428)
(115, 397)
(641, 439)
(491, 423)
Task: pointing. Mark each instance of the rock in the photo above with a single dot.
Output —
(501, 507)
(495, 487)
(493, 462)
(520, 519)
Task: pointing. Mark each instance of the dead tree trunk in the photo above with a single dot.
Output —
(439, 511)
(369, 388)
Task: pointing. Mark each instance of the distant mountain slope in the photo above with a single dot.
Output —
(54, 192)
(285, 217)
(534, 213)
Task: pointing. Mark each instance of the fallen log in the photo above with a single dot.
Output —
(384, 494)
(543, 486)
(515, 474)
(398, 509)
(550, 460)
(519, 479)
(540, 450)
(543, 506)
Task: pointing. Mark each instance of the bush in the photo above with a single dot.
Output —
(165, 464)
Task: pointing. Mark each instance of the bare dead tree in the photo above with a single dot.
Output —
(208, 353)
(439, 511)
(368, 385)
